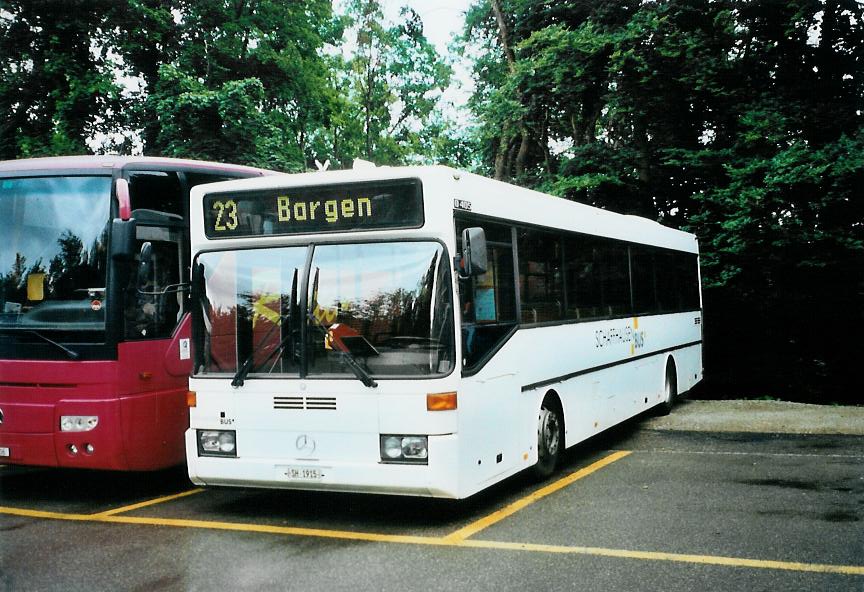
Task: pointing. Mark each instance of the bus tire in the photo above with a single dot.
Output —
(550, 437)
(670, 389)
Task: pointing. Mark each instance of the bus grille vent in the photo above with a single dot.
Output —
(311, 403)
(287, 402)
(328, 403)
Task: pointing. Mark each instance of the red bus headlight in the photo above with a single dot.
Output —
(78, 423)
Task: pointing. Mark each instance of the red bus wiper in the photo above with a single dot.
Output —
(73, 355)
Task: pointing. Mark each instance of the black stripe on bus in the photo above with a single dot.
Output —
(562, 378)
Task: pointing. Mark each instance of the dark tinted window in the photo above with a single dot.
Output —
(540, 276)
(582, 277)
(195, 179)
(157, 190)
(597, 276)
(668, 282)
(643, 279)
(687, 267)
(676, 281)
(615, 278)
(569, 276)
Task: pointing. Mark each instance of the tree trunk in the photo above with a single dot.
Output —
(504, 159)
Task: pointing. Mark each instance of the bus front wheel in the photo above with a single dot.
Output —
(549, 440)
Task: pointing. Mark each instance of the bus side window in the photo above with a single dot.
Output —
(540, 276)
(159, 191)
(153, 310)
(488, 301)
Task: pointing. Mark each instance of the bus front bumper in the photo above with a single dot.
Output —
(137, 433)
(439, 478)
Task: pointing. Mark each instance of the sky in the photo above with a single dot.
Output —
(442, 22)
(442, 19)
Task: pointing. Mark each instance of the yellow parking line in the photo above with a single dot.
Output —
(852, 570)
(487, 521)
(158, 500)
(43, 514)
(233, 526)
(856, 570)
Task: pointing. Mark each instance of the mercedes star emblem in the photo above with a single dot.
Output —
(305, 443)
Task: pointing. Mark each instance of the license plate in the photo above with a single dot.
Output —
(297, 473)
(4, 451)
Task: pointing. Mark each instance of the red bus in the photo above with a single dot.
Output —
(94, 359)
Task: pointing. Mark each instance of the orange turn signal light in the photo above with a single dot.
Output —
(191, 399)
(440, 401)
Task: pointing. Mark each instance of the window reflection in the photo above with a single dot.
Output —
(386, 304)
(53, 255)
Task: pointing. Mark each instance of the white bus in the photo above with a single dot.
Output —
(423, 331)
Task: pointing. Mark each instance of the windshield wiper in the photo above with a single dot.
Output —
(240, 377)
(246, 366)
(355, 366)
(73, 355)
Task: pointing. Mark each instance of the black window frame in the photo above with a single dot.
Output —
(691, 303)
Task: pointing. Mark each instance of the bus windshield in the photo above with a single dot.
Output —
(53, 255)
(385, 307)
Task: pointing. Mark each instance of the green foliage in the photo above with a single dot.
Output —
(739, 121)
(243, 82)
(225, 124)
(56, 91)
(253, 81)
(388, 89)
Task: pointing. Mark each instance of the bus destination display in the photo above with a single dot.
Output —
(330, 208)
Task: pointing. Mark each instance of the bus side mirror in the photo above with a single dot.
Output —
(474, 252)
(123, 239)
(145, 265)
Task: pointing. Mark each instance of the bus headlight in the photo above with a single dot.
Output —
(405, 449)
(78, 423)
(217, 443)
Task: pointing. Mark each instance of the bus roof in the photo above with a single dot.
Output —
(112, 162)
(494, 199)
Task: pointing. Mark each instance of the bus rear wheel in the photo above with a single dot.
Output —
(670, 390)
(549, 440)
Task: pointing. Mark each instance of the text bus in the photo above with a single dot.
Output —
(94, 370)
(423, 331)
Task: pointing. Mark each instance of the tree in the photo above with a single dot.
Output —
(243, 80)
(389, 87)
(740, 121)
(57, 86)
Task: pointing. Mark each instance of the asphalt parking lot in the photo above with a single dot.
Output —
(645, 506)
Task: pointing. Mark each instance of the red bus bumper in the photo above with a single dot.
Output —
(142, 412)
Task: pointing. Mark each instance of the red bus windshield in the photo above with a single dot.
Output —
(53, 254)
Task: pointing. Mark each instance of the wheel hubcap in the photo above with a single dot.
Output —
(549, 432)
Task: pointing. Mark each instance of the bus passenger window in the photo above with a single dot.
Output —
(488, 301)
(540, 277)
(153, 310)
